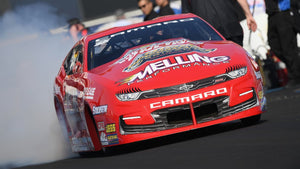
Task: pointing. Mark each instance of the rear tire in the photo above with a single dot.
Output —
(251, 120)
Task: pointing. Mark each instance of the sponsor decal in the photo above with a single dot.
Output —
(260, 95)
(112, 139)
(103, 139)
(163, 52)
(258, 75)
(111, 128)
(89, 93)
(151, 26)
(188, 99)
(101, 126)
(173, 63)
(109, 139)
(159, 47)
(99, 109)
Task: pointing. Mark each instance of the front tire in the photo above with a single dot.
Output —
(92, 129)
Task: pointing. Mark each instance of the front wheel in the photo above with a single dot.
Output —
(92, 129)
(251, 120)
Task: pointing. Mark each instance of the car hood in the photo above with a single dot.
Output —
(169, 63)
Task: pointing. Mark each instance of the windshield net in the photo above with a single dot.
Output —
(108, 48)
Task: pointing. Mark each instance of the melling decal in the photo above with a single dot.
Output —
(173, 63)
(163, 52)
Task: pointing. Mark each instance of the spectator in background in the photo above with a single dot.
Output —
(147, 8)
(295, 6)
(222, 15)
(164, 7)
(77, 29)
(282, 37)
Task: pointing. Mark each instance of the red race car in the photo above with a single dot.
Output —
(152, 79)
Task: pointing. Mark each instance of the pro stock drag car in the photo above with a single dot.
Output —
(152, 79)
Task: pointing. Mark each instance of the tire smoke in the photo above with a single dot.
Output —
(30, 59)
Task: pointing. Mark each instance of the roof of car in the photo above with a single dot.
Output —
(156, 20)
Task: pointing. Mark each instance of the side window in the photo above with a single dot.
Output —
(72, 59)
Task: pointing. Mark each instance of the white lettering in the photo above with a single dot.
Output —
(221, 91)
(180, 61)
(142, 75)
(167, 102)
(150, 26)
(186, 20)
(210, 93)
(157, 66)
(182, 100)
(191, 58)
(155, 105)
(119, 33)
(186, 100)
(135, 29)
(99, 109)
(199, 58)
(197, 96)
(218, 59)
(168, 22)
(168, 64)
(166, 70)
(156, 24)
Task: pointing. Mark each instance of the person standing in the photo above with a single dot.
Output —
(295, 7)
(147, 8)
(222, 15)
(282, 37)
(77, 29)
(164, 7)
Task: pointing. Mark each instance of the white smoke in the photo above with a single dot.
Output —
(30, 59)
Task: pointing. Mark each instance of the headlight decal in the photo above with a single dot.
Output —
(236, 72)
(131, 96)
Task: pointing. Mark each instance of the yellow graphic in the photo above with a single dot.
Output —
(110, 128)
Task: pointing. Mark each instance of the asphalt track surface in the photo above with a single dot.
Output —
(273, 143)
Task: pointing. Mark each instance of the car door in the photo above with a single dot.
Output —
(74, 86)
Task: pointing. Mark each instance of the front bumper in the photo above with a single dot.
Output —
(190, 114)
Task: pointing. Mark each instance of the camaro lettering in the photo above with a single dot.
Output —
(186, 100)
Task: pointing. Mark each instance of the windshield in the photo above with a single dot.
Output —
(108, 48)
